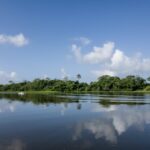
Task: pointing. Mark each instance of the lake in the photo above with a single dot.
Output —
(74, 122)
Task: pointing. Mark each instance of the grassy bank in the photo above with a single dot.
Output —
(78, 92)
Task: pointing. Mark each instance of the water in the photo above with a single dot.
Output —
(74, 122)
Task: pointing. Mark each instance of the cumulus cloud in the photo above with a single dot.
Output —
(112, 61)
(99, 54)
(5, 76)
(18, 40)
(126, 64)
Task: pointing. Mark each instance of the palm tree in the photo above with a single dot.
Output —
(10, 82)
(78, 77)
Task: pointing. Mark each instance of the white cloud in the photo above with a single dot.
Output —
(98, 73)
(18, 40)
(99, 54)
(126, 64)
(83, 40)
(5, 76)
(111, 60)
(13, 74)
(77, 52)
(63, 73)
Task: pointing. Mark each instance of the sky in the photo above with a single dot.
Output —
(58, 38)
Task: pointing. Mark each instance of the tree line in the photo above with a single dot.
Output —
(103, 83)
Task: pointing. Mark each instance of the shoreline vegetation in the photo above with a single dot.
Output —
(75, 92)
(104, 84)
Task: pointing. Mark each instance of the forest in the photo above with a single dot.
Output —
(103, 83)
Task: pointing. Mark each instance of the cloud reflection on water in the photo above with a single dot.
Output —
(15, 144)
(113, 121)
(7, 107)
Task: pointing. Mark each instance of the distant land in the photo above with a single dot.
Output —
(104, 83)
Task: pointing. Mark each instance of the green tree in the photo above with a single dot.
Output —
(10, 82)
(78, 77)
(105, 83)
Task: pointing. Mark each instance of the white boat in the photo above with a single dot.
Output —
(21, 93)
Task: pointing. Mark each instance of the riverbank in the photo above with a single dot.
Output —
(77, 92)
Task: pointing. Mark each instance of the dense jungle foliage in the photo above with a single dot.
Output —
(104, 83)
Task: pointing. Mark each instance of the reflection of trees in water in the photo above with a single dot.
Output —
(108, 102)
(79, 106)
(66, 105)
(38, 98)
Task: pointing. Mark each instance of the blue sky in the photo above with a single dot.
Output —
(56, 38)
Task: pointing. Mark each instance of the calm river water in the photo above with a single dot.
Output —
(74, 122)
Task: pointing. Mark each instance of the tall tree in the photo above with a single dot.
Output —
(10, 82)
(78, 77)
